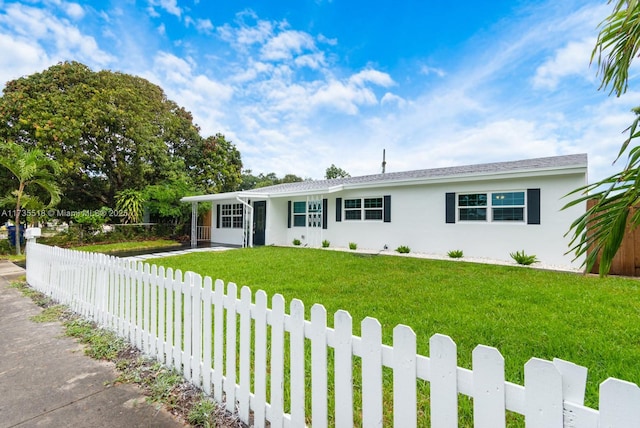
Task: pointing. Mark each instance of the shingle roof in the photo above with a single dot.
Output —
(554, 162)
(395, 178)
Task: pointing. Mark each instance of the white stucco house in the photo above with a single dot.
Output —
(486, 210)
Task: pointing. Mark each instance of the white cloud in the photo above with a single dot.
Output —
(58, 37)
(245, 35)
(314, 61)
(287, 44)
(390, 98)
(342, 97)
(204, 26)
(426, 70)
(74, 10)
(169, 6)
(323, 39)
(371, 76)
(570, 60)
(205, 97)
(20, 58)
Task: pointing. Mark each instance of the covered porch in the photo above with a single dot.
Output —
(232, 213)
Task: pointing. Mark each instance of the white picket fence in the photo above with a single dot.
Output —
(205, 330)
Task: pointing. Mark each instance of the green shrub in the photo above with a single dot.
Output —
(5, 247)
(455, 254)
(403, 249)
(325, 244)
(296, 241)
(523, 259)
(353, 245)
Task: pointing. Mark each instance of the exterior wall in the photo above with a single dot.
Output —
(418, 221)
(221, 235)
(276, 232)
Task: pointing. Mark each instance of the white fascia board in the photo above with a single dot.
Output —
(210, 197)
(475, 177)
(322, 191)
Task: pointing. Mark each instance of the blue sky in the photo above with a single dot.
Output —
(300, 85)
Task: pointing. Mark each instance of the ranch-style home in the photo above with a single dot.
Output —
(486, 210)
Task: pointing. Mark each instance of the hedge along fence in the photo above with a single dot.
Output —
(235, 349)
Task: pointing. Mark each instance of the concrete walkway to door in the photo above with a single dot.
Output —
(145, 257)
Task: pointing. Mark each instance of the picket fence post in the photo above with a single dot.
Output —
(543, 392)
(260, 375)
(343, 372)
(371, 373)
(619, 404)
(318, 337)
(404, 377)
(297, 358)
(488, 388)
(277, 361)
(231, 323)
(207, 335)
(244, 311)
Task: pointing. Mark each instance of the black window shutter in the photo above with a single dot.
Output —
(387, 208)
(325, 209)
(217, 216)
(289, 214)
(450, 207)
(533, 206)
(338, 209)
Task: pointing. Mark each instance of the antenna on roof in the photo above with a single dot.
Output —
(384, 161)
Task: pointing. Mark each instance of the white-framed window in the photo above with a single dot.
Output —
(507, 206)
(492, 206)
(231, 216)
(363, 209)
(299, 214)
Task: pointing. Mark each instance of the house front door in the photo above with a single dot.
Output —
(260, 222)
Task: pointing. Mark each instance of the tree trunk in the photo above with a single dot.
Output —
(17, 237)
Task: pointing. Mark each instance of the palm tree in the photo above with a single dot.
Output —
(29, 167)
(599, 231)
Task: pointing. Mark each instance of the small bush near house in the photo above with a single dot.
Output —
(403, 249)
(296, 242)
(523, 259)
(353, 246)
(455, 254)
(325, 244)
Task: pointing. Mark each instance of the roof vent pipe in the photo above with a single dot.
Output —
(384, 161)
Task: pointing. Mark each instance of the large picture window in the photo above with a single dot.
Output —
(495, 207)
(363, 209)
(231, 216)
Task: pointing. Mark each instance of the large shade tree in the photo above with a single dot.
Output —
(599, 232)
(111, 132)
(29, 170)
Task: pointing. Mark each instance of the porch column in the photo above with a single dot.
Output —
(194, 224)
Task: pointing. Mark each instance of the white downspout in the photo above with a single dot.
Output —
(249, 240)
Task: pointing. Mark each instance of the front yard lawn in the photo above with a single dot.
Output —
(521, 311)
(127, 246)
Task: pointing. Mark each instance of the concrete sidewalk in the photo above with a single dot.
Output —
(46, 380)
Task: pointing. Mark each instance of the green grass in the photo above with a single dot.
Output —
(524, 313)
(127, 246)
